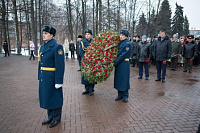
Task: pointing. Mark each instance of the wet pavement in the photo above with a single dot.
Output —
(153, 107)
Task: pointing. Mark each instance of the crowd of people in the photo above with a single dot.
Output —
(163, 51)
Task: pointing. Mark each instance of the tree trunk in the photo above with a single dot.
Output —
(70, 20)
(4, 20)
(83, 18)
(118, 16)
(16, 27)
(94, 31)
(108, 14)
(134, 6)
(97, 16)
(100, 16)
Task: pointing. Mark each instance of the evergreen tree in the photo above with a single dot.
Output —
(186, 26)
(152, 24)
(163, 21)
(141, 28)
(178, 21)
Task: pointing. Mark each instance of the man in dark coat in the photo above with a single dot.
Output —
(134, 50)
(176, 51)
(143, 56)
(89, 87)
(153, 58)
(189, 52)
(163, 50)
(5, 47)
(197, 58)
(122, 67)
(77, 50)
(51, 68)
(72, 49)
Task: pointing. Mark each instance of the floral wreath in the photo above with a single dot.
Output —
(99, 57)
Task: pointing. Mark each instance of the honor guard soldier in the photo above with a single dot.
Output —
(176, 50)
(162, 52)
(122, 67)
(89, 87)
(50, 75)
(189, 52)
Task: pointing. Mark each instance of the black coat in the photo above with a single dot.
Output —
(5, 46)
(143, 51)
(189, 50)
(71, 47)
(134, 48)
(163, 49)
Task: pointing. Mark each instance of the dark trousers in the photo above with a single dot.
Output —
(123, 94)
(72, 55)
(79, 60)
(174, 62)
(32, 55)
(187, 64)
(141, 64)
(160, 66)
(6, 52)
(90, 87)
(54, 114)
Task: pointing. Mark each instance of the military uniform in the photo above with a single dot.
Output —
(189, 52)
(122, 68)
(89, 87)
(176, 48)
(51, 68)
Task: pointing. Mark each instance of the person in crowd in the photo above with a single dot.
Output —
(162, 53)
(66, 48)
(6, 49)
(122, 67)
(134, 50)
(197, 58)
(77, 50)
(176, 47)
(143, 56)
(89, 87)
(51, 69)
(189, 52)
(32, 48)
(72, 49)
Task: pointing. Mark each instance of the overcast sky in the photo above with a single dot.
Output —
(191, 9)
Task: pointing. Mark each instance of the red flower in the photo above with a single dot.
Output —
(100, 40)
(106, 74)
(94, 67)
(99, 67)
(105, 70)
(113, 50)
(102, 53)
(101, 76)
(92, 63)
(164, 62)
(114, 57)
(106, 57)
(101, 50)
(97, 52)
(110, 56)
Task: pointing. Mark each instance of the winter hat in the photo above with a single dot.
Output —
(144, 36)
(190, 37)
(88, 31)
(175, 35)
(49, 29)
(125, 32)
(80, 36)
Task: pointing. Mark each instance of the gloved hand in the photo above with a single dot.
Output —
(57, 86)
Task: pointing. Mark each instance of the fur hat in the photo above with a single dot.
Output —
(80, 36)
(49, 29)
(125, 32)
(175, 35)
(88, 31)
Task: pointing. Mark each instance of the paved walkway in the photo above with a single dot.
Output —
(153, 107)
